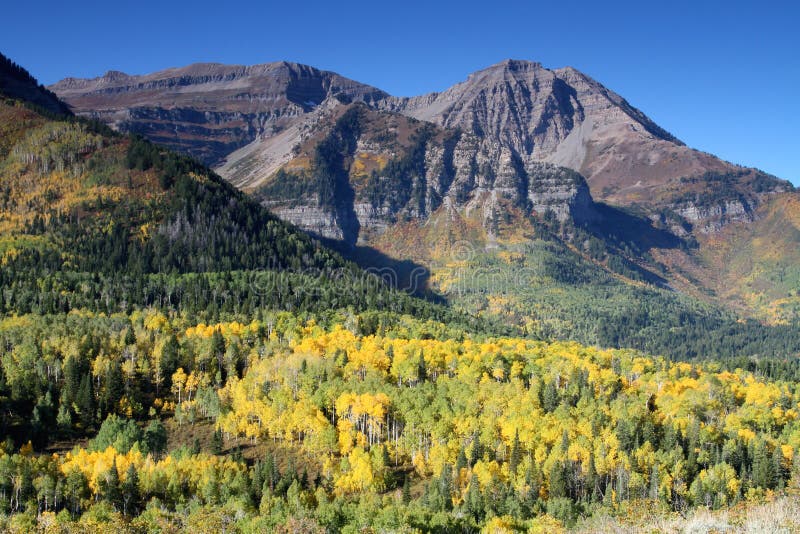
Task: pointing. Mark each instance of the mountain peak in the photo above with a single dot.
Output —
(113, 75)
(560, 116)
(208, 110)
(507, 68)
(516, 65)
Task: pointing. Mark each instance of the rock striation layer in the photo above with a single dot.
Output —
(209, 110)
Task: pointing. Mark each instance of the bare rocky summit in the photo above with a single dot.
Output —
(246, 121)
(209, 110)
(565, 117)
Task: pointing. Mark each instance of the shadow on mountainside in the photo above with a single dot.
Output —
(404, 275)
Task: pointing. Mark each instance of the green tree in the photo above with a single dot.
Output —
(110, 488)
(155, 436)
(406, 490)
(763, 473)
(476, 452)
(85, 402)
(217, 442)
(474, 498)
(117, 432)
(558, 480)
(130, 491)
(516, 455)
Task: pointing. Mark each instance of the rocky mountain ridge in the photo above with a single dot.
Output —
(246, 121)
(208, 110)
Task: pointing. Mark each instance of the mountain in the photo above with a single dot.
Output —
(565, 117)
(208, 110)
(359, 172)
(559, 116)
(516, 152)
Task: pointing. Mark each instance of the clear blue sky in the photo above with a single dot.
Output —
(722, 76)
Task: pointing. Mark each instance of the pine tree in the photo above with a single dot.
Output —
(130, 336)
(763, 474)
(477, 451)
(217, 442)
(64, 420)
(406, 490)
(533, 481)
(218, 350)
(211, 489)
(474, 499)
(109, 487)
(130, 491)
(85, 402)
(461, 461)
(155, 437)
(446, 486)
(422, 369)
(304, 479)
(114, 389)
(781, 470)
(270, 472)
(72, 381)
(558, 481)
(550, 397)
(169, 361)
(592, 485)
(256, 482)
(516, 455)
(389, 480)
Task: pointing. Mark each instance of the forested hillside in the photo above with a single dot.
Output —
(95, 220)
(371, 422)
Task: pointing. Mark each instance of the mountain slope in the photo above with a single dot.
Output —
(17, 82)
(94, 220)
(360, 171)
(565, 117)
(525, 244)
(208, 110)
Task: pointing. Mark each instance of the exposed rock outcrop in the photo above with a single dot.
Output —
(417, 170)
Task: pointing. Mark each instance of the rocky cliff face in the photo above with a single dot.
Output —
(409, 172)
(712, 201)
(526, 107)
